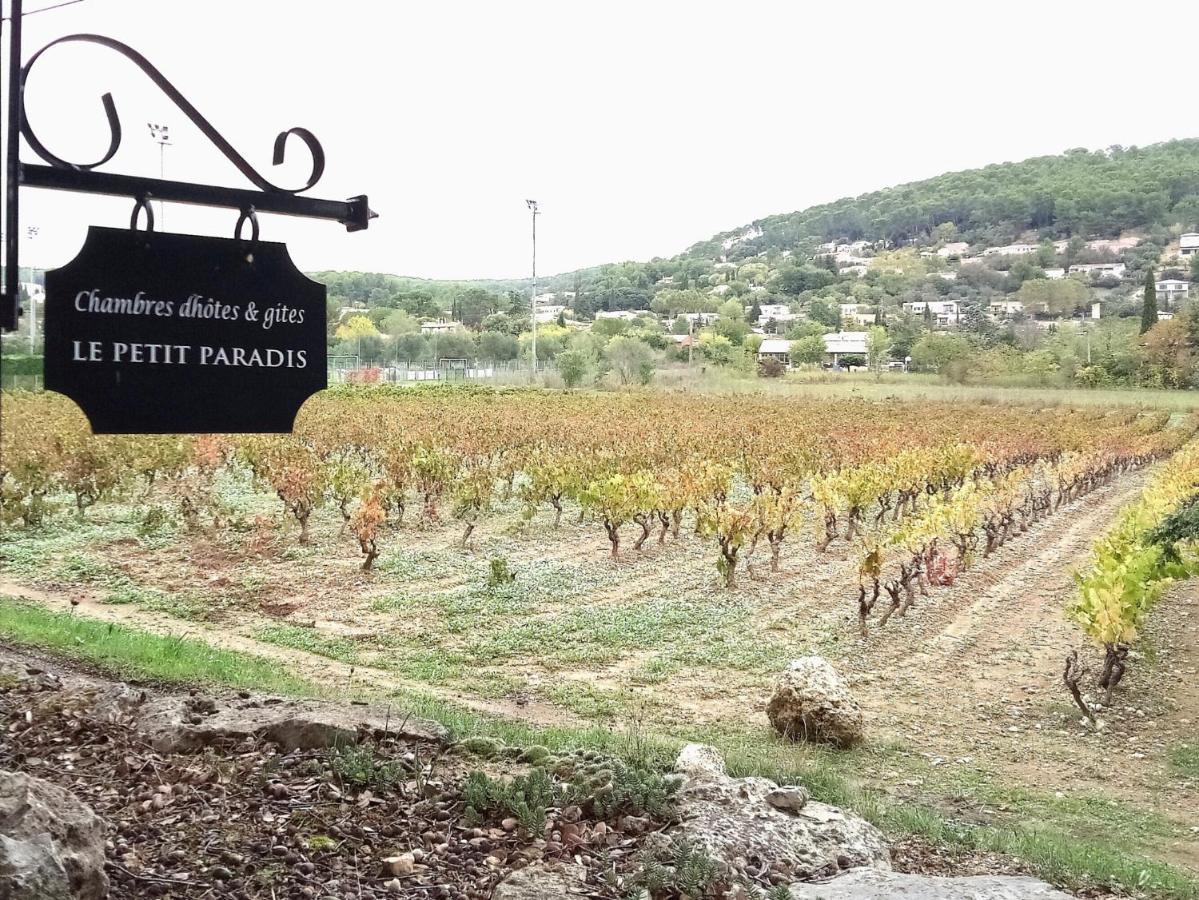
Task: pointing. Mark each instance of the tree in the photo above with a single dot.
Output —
(497, 346)
(474, 305)
(454, 346)
(878, 345)
(824, 312)
(1169, 359)
(1149, 305)
(807, 350)
(357, 327)
(1056, 296)
(718, 349)
(797, 279)
(572, 366)
(609, 327)
(631, 359)
(937, 350)
(755, 312)
(397, 322)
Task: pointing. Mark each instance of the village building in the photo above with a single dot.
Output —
(1172, 290)
(844, 343)
(1112, 270)
(776, 349)
(943, 312)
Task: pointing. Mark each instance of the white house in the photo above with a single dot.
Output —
(775, 348)
(772, 311)
(952, 249)
(627, 315)
(1055, 273)
(1003, 309)
(1097, 270)
(856, 314)
(1188, 244)
(1172, 289)
(693, 318)
(844, 343)
(1011, 250)
(549, 313)
(441, 326)
(943, 312)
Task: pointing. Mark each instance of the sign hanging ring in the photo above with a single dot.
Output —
(247, 214)
(142, 205)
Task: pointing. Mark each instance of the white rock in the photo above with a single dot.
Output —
(699, 760)
(812, 702)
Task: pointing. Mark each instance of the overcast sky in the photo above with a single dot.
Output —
(640, 127)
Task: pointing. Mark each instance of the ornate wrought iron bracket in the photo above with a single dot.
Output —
(62, 175)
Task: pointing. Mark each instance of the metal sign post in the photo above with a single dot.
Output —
(63, 175)
(152, 332)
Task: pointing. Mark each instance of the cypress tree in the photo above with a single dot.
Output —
(1149, 308)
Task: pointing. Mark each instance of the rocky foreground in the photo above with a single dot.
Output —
(108, 790)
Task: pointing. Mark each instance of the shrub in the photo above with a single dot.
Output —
(771, 368)
(525, 798)
(499, 574)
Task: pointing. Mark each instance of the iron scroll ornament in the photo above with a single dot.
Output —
(206, 127)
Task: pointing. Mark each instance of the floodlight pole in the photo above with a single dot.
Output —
(532, 205)
(161, 135)
(31, 232)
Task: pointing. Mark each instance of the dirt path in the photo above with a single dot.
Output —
(1002, 629)
(318, 669)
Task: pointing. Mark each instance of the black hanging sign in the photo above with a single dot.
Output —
(161, 333)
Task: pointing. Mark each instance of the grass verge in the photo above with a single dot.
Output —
(1053, 855)
(137, 654)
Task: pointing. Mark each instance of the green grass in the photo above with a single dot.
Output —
(136, 654)
(1184, 759)
(311, 641)
(922, 387)
(1052, 848)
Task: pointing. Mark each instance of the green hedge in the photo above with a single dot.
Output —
(20, 365)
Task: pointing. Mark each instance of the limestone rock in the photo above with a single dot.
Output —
(789, 797)
(51, 844)
(872, 884)
(737, 822)
(696, 760)
(543, 881)
(182, 725)
(812, 702)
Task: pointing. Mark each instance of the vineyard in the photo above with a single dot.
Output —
(914, 493)
(918, 492)
(571, 558)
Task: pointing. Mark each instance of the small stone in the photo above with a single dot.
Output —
(395, 886)
(404, 864)
(789, 797)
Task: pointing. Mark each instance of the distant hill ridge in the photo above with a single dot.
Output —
(1079, 192)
